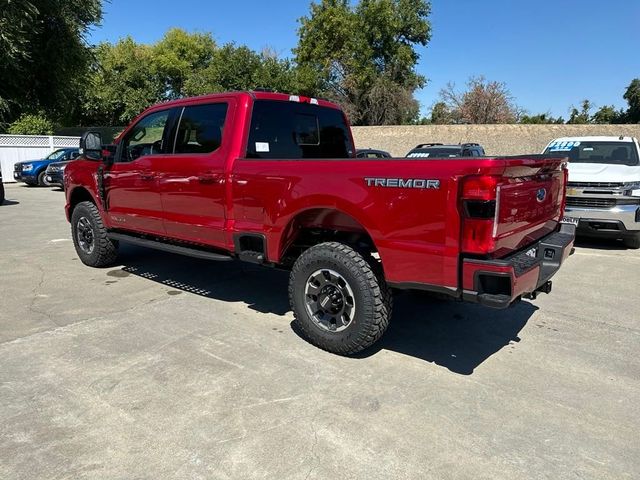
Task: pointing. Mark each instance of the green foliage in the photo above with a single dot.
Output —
(365, 56)
(608, 114)
(32, 124)
(42, 52)
(240, 68)
(122, 84)
(127, 77)
(632, 96)
(177, 56)
(581, 116)
(440, 114)
(541, 118)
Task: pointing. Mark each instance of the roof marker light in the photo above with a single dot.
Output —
(294, 98)
(313, 101)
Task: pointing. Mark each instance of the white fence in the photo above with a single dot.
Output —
(18, 148)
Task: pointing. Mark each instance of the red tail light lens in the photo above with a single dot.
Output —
(479, 208)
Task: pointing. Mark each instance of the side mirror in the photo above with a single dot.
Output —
(91, 145)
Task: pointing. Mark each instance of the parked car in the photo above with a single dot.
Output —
(54, 174)
(440, 150)
(603, 192)
(33, 172)
(1, 190)
(270, 179)
(371, 153)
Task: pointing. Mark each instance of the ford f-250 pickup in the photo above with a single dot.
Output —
(273, 179)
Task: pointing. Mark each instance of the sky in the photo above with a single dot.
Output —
(550, 54)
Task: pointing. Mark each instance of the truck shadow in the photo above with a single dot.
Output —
(454, 335)
(261, 289)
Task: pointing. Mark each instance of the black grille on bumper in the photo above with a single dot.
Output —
(590, 202)
(595, 184)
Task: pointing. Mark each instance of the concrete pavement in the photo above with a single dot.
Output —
(171, 367)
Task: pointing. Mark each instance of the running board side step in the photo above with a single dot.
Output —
(167, 247)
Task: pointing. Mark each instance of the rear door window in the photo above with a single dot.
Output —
(200, 128)
(291, 130)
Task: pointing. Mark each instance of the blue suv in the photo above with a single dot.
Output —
(33, 172)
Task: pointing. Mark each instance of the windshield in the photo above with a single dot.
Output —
(56, 155)
(613, 153)
(434, 152)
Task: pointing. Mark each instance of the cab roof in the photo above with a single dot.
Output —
(254, 95)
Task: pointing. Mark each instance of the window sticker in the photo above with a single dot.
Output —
(262, 146)
(563, 146)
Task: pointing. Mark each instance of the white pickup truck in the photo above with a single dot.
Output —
(603, 192)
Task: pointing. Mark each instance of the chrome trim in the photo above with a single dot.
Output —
(626, 214)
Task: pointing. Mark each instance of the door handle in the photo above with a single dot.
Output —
(147, 176)
(208, 178)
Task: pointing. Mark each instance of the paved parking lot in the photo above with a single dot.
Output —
(170, 367)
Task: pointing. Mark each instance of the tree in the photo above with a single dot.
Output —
(482, 102)
(43, 55)
(178, 56)
(608, 114)
(32, 124)
(127, 77)
(365, 56)
(240, 68)
(632, 96)
(541, 118)
(581, 116)
(440, 114)
(122, 83)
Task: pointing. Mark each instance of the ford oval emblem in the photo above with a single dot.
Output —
(541, 194)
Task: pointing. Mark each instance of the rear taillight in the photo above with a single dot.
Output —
(480, 202)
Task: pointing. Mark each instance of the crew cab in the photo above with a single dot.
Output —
(603, 191)
(273, 179)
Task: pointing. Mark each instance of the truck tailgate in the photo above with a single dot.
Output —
(529, 201)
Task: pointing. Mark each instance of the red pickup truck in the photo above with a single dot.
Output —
(273, 179)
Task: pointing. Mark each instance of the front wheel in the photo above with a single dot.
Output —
(42, 181)
(93, 246)
(340, 300)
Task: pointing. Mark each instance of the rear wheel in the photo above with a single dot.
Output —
(90, 236)
(340, 300)
(632, 242)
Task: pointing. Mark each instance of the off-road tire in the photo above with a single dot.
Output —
(372, 297)
(41, 179)
(632, 242)
(105, 251)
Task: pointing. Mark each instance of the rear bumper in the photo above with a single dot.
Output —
(498, 283)
(619, 221)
